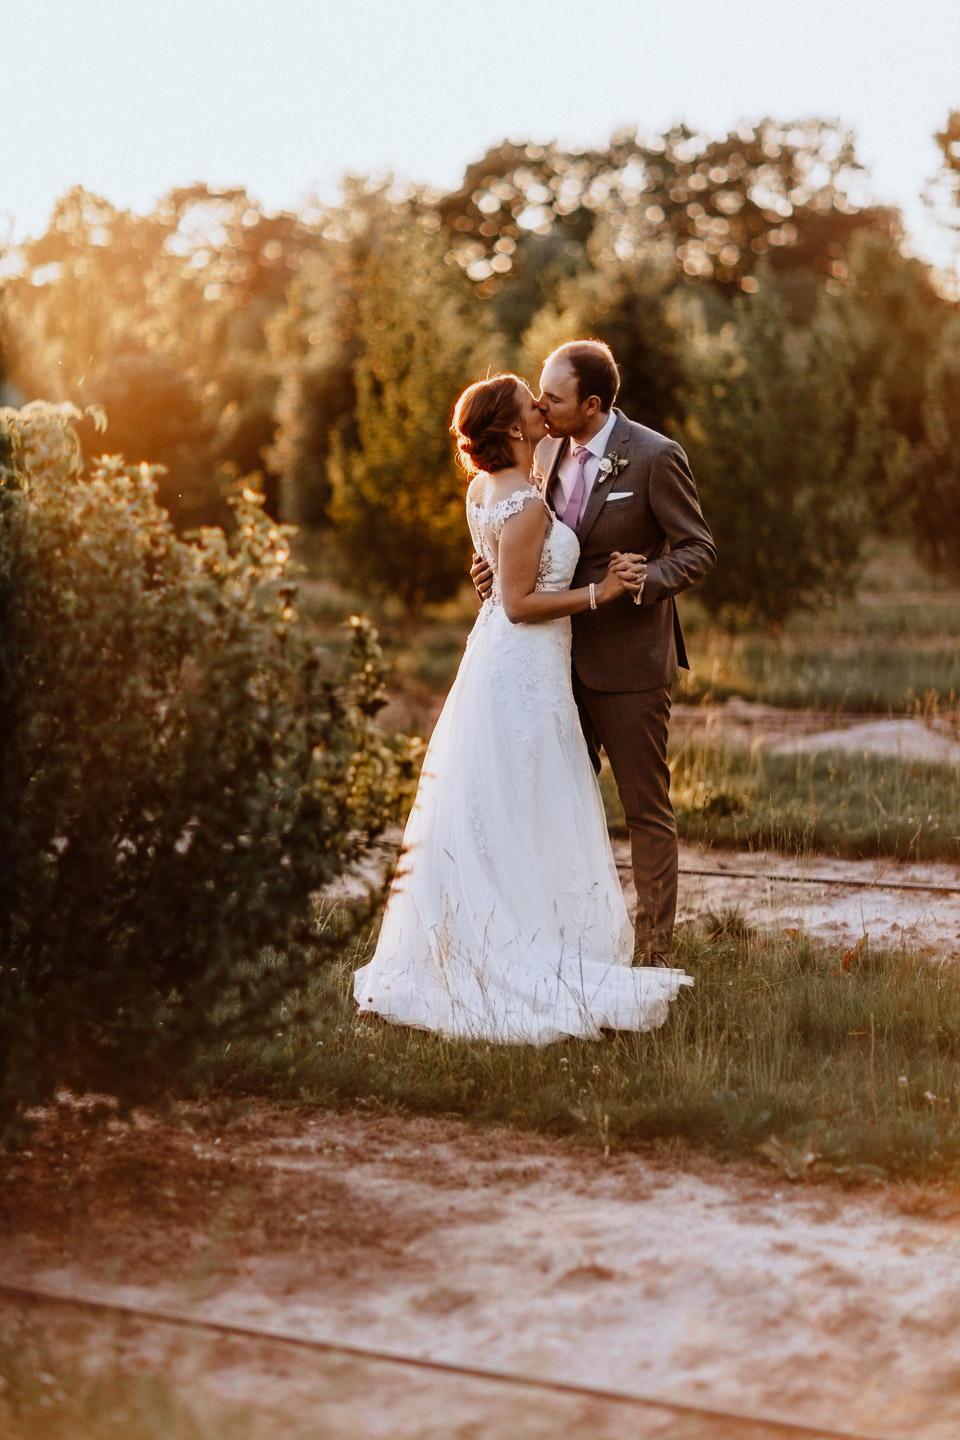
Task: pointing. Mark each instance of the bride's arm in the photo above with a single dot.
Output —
(520, 548)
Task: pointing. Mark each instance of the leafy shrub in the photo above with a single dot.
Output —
(180, 772)
(781, 458)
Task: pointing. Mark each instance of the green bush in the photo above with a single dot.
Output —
(781, 457)
(180, 773)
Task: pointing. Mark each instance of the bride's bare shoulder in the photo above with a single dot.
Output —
(477, 489)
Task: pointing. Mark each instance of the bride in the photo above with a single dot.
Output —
(506, 921)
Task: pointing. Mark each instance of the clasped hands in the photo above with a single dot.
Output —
(630, 570)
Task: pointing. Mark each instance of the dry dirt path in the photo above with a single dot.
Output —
(835, 902)
(713, 1286)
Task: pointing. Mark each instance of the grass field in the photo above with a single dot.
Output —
(845, 1073)
(850, 805)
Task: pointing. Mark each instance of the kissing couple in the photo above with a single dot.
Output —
(506, 920)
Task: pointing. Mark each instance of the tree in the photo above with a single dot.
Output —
(397, 496)
(785, 191)
(780, 459)
(889, 321)
(930, 473)
(314, 346)
(943, 191)
(628, 304)
(160, 318)
(180, 771)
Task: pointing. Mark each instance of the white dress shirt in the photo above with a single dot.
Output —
(569, 467)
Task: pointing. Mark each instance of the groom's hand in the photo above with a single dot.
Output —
(632, 571)
(482, 576)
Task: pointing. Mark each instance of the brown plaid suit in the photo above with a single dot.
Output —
(626, 656)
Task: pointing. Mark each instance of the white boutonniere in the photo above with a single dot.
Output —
(612, 465)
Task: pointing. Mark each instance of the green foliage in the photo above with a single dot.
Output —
(715, 204)
(888, 322)
(930, 473)
(159, 319)
(224, 341)
(314, 344)
(628, 304)
(180, 772)
(781, 459)
(397, 496)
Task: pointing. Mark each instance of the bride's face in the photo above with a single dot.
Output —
(531, 417)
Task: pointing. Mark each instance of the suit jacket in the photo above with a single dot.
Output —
(651, 508)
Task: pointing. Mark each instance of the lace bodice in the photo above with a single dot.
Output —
(561, 549)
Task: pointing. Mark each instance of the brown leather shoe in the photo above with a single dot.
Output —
(653, 959)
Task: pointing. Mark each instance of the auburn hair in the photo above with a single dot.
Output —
(482, 419)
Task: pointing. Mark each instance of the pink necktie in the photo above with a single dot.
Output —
(571, 511)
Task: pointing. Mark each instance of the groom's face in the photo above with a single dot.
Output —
(559, 400)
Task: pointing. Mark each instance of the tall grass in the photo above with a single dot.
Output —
(835, 803)
(854, 1073)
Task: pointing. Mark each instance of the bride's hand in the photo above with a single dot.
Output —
(632, 570)
(611, 587)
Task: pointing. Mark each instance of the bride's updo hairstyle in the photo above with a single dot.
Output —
(481, 423)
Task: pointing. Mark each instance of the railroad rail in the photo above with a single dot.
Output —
(181, 1319)
(878, 884)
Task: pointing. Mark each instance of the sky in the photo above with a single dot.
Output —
(132, 97)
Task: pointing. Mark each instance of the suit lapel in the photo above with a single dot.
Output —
(552, 468)
(618, 437)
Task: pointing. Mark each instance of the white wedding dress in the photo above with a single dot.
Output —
(506, 921)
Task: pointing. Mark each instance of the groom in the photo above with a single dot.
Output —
(628, 492)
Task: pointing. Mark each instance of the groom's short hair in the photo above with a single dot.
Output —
(593, 365)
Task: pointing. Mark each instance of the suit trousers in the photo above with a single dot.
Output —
(631, 726)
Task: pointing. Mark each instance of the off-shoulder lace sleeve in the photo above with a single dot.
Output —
(500, 512)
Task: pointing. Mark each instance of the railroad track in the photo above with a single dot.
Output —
(757, 1427)
(797, 879)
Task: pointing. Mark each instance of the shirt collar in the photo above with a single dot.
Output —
(597, 444)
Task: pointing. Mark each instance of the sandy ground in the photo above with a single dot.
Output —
(715, 1286)
(835, 902)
